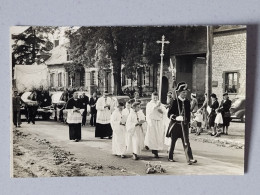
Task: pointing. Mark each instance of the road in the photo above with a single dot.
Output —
(38, 147)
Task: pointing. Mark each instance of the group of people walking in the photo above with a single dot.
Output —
(132, 131)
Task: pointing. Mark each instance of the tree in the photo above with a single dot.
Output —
(32, 45)
(104, 46)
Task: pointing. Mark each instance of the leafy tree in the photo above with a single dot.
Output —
(134, 47)
(32, 45)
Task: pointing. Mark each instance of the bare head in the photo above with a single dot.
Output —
(75, 95)
(183, 94)
(136, 106)
(155, 96)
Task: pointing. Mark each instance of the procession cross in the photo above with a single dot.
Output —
(161, 67)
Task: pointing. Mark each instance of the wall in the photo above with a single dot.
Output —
(56, 69)
(229, 54)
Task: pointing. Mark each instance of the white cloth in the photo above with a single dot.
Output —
(103, 114)
(219, 119)
(198, 117)
(154, 137)
(119, 133)
(167, 140)
(135, 134)
(114, 104)
(74, 116)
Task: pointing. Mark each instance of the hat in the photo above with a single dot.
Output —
(182, 86)
(225, 93)
(120, 104)
(213, 95)
(193, 95)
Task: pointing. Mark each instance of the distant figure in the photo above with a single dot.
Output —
(225, 106)
(193, 104)
(32, 108)
(212, 115)
(93, 110)
(103, 106)
(16, 109)
(136, 97)
(74, 117)
(85, 102)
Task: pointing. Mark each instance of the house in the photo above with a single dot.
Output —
(229, 60)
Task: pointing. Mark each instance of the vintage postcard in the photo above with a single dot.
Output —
(127, 100)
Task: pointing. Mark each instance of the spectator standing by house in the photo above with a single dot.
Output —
(193, 104)
(16, 109)
(204, 112)
(136, 97)
(224, 108)
(93, 110)
(32, 107)
(212, 108)
(85, 102)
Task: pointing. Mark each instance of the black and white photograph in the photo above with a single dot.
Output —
(127, 100)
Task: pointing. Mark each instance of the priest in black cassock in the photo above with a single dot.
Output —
(179, 114)
(74, 118)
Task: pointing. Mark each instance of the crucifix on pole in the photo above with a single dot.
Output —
(161, 67)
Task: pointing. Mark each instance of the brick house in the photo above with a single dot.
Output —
(229, 61)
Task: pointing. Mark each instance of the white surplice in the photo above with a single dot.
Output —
(135, 134)
(119, 133)
(155, 134)
(103, 114)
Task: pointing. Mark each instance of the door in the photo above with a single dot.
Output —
(165, 88)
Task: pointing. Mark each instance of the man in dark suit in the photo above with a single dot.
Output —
(93, 110)
(179, 113)
(85, 102)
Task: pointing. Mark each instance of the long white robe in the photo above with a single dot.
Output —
(119, 133)
(103, 114)
(155, 134)
(135, 133)
(114, 104)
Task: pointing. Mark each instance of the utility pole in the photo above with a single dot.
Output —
(209, 61)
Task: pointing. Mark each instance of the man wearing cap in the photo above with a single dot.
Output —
(224, 107)
(16, 109)
(103, 106)
(179, 113)
(154, 137)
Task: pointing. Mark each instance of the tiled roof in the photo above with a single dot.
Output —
(59, 56)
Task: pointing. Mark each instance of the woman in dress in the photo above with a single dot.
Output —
(213, 114)
(225, 111)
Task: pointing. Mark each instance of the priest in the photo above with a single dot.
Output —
(155, 134)
(74, 117)
(103, 106)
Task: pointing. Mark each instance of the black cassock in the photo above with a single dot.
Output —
(175, 130)
(74, 128)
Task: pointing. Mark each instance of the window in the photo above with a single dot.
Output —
(59, 79)
(231, 82)
(52, 80)
(56, 43)
(68, 56)
(92, 77)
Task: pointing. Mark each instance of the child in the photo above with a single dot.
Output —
(199, 119)
(218, 123)
(135, 130)
(117, 122)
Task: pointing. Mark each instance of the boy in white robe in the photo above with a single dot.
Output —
(135, 130)
(154, 137)
(117, 122)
